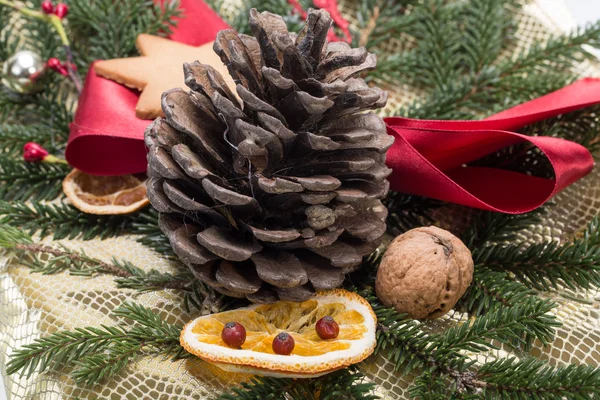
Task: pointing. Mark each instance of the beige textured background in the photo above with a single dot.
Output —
(32, 305)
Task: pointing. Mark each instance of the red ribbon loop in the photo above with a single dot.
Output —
(428, 156)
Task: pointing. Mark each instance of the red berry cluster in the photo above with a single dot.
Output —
(56, 65)
(61, 10)
(234, 335)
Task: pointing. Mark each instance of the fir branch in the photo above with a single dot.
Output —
(491, 289)
(146, 226)
(531, 378)
(47, 260)
(61, 349)
(14, 137)
(65, 221)
(55, 108)
(548, 265)
(95, 368)
(486, 26)
(518, 325)
(239, 21)
(100, 353)
(62, 220)
(453, 39)
(106, 30)
(409, 347)
(408, 211)
(490, 227)
(345, 384)
(496, 87)
(379, 21)
(20, 180)
(260, 387)
(446, 368)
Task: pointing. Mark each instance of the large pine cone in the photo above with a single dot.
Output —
(279, 195)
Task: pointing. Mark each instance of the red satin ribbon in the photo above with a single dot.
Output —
(428, 156)
(106, 137)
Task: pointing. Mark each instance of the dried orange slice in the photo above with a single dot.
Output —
(311, 356)
(93, 194)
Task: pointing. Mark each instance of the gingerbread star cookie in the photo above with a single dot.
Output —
(159, 69)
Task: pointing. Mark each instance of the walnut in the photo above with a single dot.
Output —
(424, 272)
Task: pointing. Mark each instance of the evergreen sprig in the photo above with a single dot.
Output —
(447, 369)
(150, 235)
(52, 259)
(107, 30)
(62, 220)
(14, 136)
(379, 21)
(448, 61)
(549, 265)
(535, 379)
(491, 289)
(100, 353)
(491, 227)
(30, 181)
(346, 384)
(409, 346)
(408, 211)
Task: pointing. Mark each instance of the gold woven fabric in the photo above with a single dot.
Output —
(33, 305)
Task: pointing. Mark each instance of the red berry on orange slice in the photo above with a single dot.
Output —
(234, 334)
(283, 344)
(327, 328)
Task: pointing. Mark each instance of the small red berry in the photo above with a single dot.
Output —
(33, 152)
(47, 7)
(327, 328)
(55, 65)
(283, 344)
(61, 10)
(233, 334)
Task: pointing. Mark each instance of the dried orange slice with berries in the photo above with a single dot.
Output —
(93, 194)
(311, 356)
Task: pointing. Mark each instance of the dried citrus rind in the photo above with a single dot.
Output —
(93, 194)
(311, 356)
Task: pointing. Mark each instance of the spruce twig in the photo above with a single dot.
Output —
(345, 384)
(30, 181)
(62, 220)
(548, 265)
(99, 353)
(408, 211)
(490, 227)
(51, 260)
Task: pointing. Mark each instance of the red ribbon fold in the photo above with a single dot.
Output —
(428, 156)
(106, 137)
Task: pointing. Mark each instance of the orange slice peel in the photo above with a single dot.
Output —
(112, 195)
(311, 357)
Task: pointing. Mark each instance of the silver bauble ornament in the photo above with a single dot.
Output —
(22, 72)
